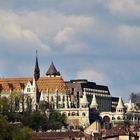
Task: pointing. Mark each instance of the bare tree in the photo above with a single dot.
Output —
(135, 97)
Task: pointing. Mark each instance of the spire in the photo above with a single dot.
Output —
(84, 101)
(36, 70)
(94, 102)
(130, 106)
(52, 70)
(120, 107)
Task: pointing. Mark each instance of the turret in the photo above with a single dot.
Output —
(83, 101)
(52, 71)
(120, 107)
(94, 103)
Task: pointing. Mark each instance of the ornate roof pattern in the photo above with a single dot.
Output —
(44, 84)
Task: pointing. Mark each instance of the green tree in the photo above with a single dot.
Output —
(57, 120)
(35, 120)
(15, 131)
(24, 133)
(4, 104)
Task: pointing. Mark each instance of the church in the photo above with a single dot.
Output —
(76, 99)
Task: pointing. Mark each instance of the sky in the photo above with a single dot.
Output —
(98, 40)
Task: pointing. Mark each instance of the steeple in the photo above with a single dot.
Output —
(94, 102)
(84, 101)
(120, 107)
(36, 70)
(52, 71)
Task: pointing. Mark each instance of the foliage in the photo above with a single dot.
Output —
(135, 97)
(4, 104)
(43, 105)
(35, 120)
(57, 116)
(14, 131)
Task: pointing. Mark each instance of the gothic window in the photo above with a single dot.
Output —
(28, 90)
(51, 98)
(83, 114)
(63, 98)
(73, 113)
(118, 118)
(59, 98)
(113, 118)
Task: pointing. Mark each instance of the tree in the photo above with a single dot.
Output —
(24, 133)
(35, 120)
(15, 131)
(4, 104)
(57, 119)
(135, 97)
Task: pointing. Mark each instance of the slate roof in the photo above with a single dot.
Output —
(52, 70)
(79, 85)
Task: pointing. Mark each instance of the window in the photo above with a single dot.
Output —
(83, 114)
(73, 113)
(118, 118)
(28, 90)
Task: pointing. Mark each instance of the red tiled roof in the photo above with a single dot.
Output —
(76, 134)
(44, 83)
(117, 131)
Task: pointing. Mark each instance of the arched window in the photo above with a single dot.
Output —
(118, 118)
(106, 119)
(83, 114)
(73, 114)
(113, 118)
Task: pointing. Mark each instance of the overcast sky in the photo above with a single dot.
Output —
(94, 39)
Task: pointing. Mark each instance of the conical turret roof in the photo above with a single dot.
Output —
(36, 69)
(84, 100)
(52, 70)
(94, 102)
(130, 106)
(120, 103)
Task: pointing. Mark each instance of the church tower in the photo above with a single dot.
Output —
(52, 71)
(36, 69)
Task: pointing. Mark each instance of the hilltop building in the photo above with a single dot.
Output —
(81, 101)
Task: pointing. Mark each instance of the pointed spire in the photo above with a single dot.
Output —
(84, 101)
(94, 102)
(130, 106)
(36, 70)
(120, 107)
(120, 103)
(52, 70)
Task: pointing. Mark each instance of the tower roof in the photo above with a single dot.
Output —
(36, 69)
(94, 102)
(84, 99)
(52, 70)
(120, 103)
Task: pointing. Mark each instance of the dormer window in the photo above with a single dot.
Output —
(28, 90)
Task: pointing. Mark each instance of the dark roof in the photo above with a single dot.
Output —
(52, 70)
(36, 70)
(79, 85)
